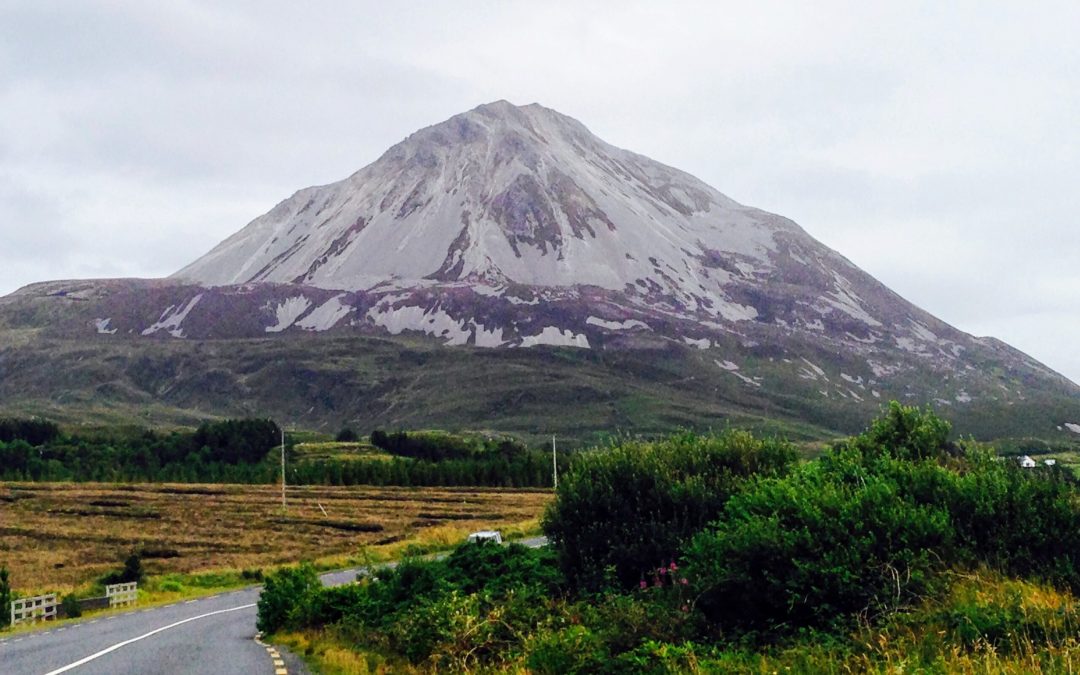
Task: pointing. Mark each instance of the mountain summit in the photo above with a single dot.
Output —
(512, 227)
(513, 195)
(503, 197)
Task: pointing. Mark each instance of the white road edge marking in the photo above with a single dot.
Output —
(118, 645)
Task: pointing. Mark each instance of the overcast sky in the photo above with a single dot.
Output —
(935, 145)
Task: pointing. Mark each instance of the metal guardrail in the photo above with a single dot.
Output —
(37, 608)
(122, 594)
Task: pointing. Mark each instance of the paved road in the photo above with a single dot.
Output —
(209, 635)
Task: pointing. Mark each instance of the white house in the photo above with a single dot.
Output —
(1027, 462)
(1049, 462)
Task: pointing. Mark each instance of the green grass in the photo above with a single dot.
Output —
(333, 450)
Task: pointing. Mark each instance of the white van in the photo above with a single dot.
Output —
(485, 535)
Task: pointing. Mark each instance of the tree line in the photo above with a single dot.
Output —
(527, 468)
(231, 451)
(239, 451)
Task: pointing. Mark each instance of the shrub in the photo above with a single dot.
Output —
(70, 605)
(574, 649)
(5, 597)
(418, 632)
(905, 432)
(470, 609)
(809, 550)
(655, 614)
(171, 586)
(1023, 521)
(330, 605)
(375, 604)
(285, 596)
(132, 571)
(864, 529)
(625, 510)
(494, 569)
(254, 574)
(658, 658)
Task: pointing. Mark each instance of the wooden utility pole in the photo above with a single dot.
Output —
(283, 468)
(554, 464)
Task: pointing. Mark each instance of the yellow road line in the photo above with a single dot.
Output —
(275, 656)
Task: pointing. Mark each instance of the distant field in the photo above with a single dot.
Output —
(60, 535)
(331, 450)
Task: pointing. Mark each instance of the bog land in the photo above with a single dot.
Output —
(59, 536)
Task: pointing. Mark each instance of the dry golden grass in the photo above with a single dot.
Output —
(330, 655)
(58, 536)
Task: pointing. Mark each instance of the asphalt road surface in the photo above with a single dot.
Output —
(215, 634)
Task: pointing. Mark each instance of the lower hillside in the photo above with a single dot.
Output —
(898, 550)
(326, 381)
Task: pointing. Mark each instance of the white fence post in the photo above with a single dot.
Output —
(39, 607)
(122, 594)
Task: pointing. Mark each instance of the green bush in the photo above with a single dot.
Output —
(254, 574)
(658, 658)
(625, 510)
(286, 595)
(867, 527)
(494, 569)
(431, 623)
(331, 605)
(70, 605)
(458, 613)
(809, 550)
(171, 586)
(132, 571)
(1023, 521)
(571, 650)
(655, 614)
(5, 597)
(905, 432)
(373, 604)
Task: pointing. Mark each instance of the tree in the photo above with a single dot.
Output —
(347, 435)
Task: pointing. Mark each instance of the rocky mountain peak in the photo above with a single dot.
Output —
(523, 194)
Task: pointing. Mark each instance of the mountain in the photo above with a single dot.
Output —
(504, 197)
(511, 227)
